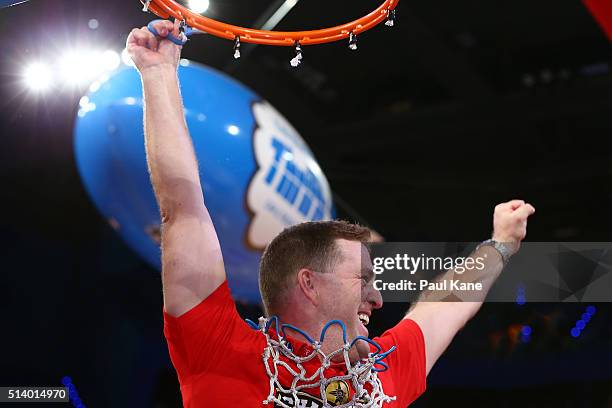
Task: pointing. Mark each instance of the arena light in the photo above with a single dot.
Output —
(279, 14)
(582, 322)
(76, 66)
(199, 6)
(80, 67)
(37, 76)
(526, 334)
(110, 60)
(520, 295)
(233, 130)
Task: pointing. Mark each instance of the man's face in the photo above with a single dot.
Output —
(347, 293)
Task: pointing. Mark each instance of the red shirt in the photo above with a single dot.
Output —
(218, 357)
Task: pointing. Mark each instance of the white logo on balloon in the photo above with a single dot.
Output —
(288, 186)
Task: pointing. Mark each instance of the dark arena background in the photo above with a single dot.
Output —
(420, 132)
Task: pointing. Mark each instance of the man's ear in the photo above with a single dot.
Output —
(307, 282)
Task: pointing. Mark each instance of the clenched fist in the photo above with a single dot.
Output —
(147, 50)
(510, 222)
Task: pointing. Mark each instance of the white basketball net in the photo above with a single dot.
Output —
(363, 375)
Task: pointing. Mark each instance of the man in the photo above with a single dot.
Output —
(310, 274)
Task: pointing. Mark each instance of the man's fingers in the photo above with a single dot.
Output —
(524, 211)
(146, 38)
(509, 206)
(149, 45)
(514, 204)
(142, 38)
(510, 221)
(152, 41)
(164, 27)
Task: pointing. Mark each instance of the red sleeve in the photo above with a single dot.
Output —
(199, 338)
(407, 362)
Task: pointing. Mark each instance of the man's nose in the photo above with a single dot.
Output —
(374, 298)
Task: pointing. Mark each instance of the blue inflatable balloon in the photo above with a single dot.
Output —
(257, 173)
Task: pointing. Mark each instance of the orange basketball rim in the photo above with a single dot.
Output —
(170, 8)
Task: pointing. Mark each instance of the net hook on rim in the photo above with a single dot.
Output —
(390, 18)
(297, 60)
(237, 47)
(352, 41)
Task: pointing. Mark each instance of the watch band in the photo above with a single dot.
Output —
(503, 250)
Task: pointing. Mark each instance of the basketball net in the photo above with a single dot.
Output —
(363, 375)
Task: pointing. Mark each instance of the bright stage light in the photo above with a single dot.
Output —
(233, 130)
(78, 68)
(37, 76)
(199, 6)
(110, 60)
(75, 68)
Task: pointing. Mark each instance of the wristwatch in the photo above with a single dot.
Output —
(502, 248)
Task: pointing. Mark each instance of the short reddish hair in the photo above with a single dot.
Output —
(309, 245)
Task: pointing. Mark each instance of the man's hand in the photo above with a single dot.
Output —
(440, 321)
(147, 50)
(510, 222)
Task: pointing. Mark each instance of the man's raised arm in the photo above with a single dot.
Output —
(192, 264)
(440, 321)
